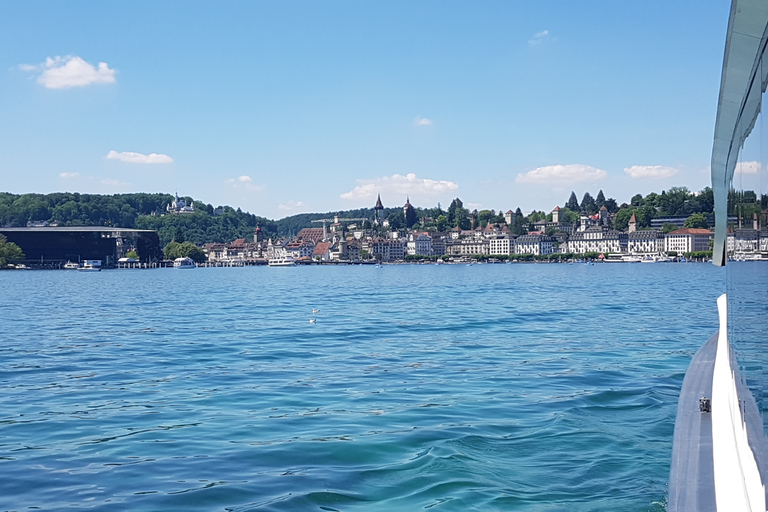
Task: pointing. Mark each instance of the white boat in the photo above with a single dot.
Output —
(89, 267)
(282, 261)
(720, 450)
(71, 266)
(658, 258)
(183, 263)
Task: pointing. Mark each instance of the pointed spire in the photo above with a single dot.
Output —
(378, 206)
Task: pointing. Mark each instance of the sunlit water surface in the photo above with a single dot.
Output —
(448, 388)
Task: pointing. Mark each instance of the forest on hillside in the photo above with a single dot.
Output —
(139, 211)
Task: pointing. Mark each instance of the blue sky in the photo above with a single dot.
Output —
(292, 106)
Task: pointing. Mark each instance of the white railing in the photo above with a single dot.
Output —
(738, 486)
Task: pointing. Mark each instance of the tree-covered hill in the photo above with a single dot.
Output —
(140, 211)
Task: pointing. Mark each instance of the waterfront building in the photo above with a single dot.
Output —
(387, 249)
(688, 240)
(419, 244)
(300, 248)
(215, 252)
(746, 241)
(322, 251)
(537, 244)
(467, 247)
(438, 244)
(353, 250)
(597, 239)
(501, 244)
(648, 241)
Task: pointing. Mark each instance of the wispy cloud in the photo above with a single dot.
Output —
(68, 175)
(399, 184)
(422, 121)
(290, 205)
(70, 71)
(139, 158)
(244, 182)
(115, 183)
(743, 168)
(562, 174)
(653, 172)
(538, 38)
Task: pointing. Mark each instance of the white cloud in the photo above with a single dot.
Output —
(538, 37)
(290, 205)
(67, 175)
(656, 172)
(571, 173)
(422, 121)
(139, 158)
(70, 71)
(399, 184)
(114, 183)
(245, 182)
(743, 168)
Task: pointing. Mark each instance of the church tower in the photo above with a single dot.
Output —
(378, 211)
(633, 223)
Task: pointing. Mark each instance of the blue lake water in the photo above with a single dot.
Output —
(527, 387)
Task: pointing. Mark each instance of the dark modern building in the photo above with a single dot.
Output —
(52, 245)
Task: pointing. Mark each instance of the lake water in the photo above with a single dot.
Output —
(532, 387)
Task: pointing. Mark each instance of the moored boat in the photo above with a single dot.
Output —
(282, 261)
(184, 263)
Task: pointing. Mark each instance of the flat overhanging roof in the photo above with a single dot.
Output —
(76, 229)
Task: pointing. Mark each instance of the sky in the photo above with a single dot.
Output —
(285, 107)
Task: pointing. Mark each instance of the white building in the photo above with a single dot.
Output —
(688, 240)
(534, 244)
(649, 241)
(419, 244)
(597, 239)
(501, 245)
(467, 247)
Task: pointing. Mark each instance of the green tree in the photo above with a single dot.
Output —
(573, 203)
(172, 250)
(396, 219)
(621, 222)
(668, 227)
(9, 252)
(600, 199)
(696, 220)
(441, 223)
(588, 204)
(132, 254)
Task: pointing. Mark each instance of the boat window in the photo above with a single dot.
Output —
(747, 254)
